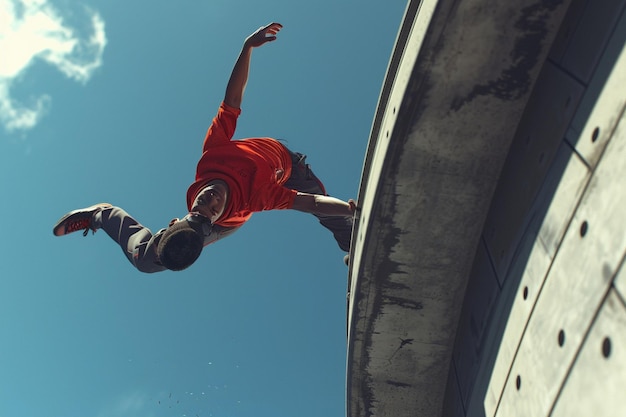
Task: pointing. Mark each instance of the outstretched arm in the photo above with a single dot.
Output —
(239, 76)
(323, 205)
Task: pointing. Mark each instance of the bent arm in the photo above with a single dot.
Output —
(239, 76)
(323, 205)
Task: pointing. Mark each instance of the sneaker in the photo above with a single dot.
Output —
(78, 220)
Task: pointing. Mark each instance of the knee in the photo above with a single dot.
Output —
(144, 258)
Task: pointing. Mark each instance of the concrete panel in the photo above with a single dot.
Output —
(568, 30)
(599, 373)
(557, 218)
(579, 278)
(537, 139)
(483, 290)
(590, 37)
(530, 285)
(453, 406)
(590, 144)
(605, 114)
(497, 322)
(563, 203)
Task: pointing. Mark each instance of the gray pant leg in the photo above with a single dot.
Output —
(303, 179)
(137, 242)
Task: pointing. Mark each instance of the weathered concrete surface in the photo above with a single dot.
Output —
(457, 85)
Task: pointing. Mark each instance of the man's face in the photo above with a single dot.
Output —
(211, 201)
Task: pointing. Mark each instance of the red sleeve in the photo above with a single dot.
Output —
(286, 199)
(273, 197)
(223, 127)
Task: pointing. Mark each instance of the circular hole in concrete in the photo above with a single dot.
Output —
(584, 228)
(595, 134)
(606, 347)
(525, 293)
(518, 382)
(561, 338)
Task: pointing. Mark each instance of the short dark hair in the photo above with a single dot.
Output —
(179, 246)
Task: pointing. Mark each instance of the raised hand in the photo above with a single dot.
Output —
(239, 76)
(263, 35)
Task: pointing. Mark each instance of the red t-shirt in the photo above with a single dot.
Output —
(254, 170)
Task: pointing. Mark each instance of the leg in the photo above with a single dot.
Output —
(137, 242)
(303, 179)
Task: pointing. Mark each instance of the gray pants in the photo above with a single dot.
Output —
(303, 179)
(139, 244)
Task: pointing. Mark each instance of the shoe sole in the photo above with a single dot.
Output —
(59, 229)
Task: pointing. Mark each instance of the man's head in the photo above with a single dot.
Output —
(211, 200)
(182, 243)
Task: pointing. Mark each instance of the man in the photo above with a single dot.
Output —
(234, 178)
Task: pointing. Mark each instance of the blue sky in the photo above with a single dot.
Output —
(109, 101)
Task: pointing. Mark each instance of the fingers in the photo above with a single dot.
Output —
(264, 34)
(273, 28)
(353, 206)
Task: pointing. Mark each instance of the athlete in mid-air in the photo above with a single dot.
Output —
(234, 178)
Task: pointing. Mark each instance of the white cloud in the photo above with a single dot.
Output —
(32, 30)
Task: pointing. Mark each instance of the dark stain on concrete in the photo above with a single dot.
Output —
(404, 302)
(382, 268)
(399, 384)
(515, 81)
(403, 342)
(607, 272)
(396, 285)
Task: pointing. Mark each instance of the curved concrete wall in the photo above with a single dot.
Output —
(484, 272)
(545, 294)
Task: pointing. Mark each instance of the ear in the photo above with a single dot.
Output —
(174, 220)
